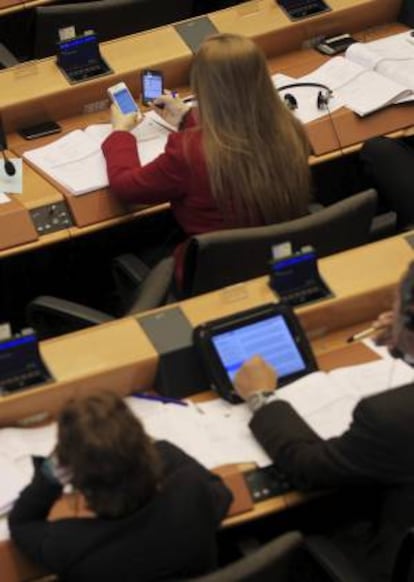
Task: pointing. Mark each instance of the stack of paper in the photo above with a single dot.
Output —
(77, 163)
(371, 75)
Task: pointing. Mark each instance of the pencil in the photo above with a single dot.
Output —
(362, 334)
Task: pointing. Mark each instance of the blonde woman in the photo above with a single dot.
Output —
(239, 159)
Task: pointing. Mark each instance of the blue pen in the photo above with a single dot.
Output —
(159, 398)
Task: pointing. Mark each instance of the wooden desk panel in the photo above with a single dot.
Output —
(267, 23)
(37, 90)
(116, 356)
(362, 279)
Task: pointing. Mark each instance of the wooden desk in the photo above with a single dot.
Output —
(37, 90)
(119, 356)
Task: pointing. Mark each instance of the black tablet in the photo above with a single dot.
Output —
(271, 331)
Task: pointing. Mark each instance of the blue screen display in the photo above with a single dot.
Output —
(270, 338)
(125, 101)
(152, 86)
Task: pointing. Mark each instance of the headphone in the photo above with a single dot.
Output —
(322, 99)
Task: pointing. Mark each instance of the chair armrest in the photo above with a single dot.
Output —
(155, 289)
(51, 316)
(383, 225)
(129, 272)
(331, 560)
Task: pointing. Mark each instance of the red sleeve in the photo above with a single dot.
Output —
(161, 180)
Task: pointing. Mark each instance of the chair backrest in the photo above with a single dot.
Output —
(406, 15)
(108, 18)
(403, 570)
(271, 563)
(221, 258)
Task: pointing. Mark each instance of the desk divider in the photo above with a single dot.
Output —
(352, 129)
(16, 227)
(94, 207)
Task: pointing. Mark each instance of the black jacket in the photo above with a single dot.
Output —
(173, 536)
(377, 452)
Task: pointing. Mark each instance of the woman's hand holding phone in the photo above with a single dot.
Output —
(170, 108)
(124, 121)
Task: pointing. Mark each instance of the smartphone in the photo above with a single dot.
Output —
(39, 130)
(335, 44)
(121, 96)
(152, 83)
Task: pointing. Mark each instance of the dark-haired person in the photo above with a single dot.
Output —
(240, 159)
(155, 509)
(374, 457)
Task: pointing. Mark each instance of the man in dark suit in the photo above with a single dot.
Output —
(376, 452)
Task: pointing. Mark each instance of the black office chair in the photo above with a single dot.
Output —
(273, 562)
(212, 261)
(292, 558)
(285, 559)
(108, 18)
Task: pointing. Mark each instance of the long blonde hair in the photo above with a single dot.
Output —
(256, 151)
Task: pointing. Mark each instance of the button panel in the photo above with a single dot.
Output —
(51, 218)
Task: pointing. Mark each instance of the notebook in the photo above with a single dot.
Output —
(79, 58)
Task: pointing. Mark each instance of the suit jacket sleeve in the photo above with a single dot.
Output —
(28, 523)
(175, 460)
(364, 454)
(161, 180)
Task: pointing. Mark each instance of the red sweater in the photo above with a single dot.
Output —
(178, 176)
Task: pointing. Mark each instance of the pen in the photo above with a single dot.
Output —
(362, 334)
(159, 398)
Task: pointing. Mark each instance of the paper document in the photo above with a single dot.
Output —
(216, 432)
(306, 98)
(77, 163)
(371, 75)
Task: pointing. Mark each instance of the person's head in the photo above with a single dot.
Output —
(256, 151)
(112, 460)
(402, 336)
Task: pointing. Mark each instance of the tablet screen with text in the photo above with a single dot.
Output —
(270, 338)
(271, 331)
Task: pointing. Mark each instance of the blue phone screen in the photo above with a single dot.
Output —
(152, 86)
(125, 101)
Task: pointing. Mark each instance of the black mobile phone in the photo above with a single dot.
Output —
(152, 84)
(335, 44)
(39, 130)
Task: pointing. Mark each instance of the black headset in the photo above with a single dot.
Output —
(322, 99)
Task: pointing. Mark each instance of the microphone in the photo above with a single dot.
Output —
(9, 167)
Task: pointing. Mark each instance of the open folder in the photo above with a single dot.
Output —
(76, 162)
(372, 75)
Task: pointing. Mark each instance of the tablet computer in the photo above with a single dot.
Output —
(271, 331)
